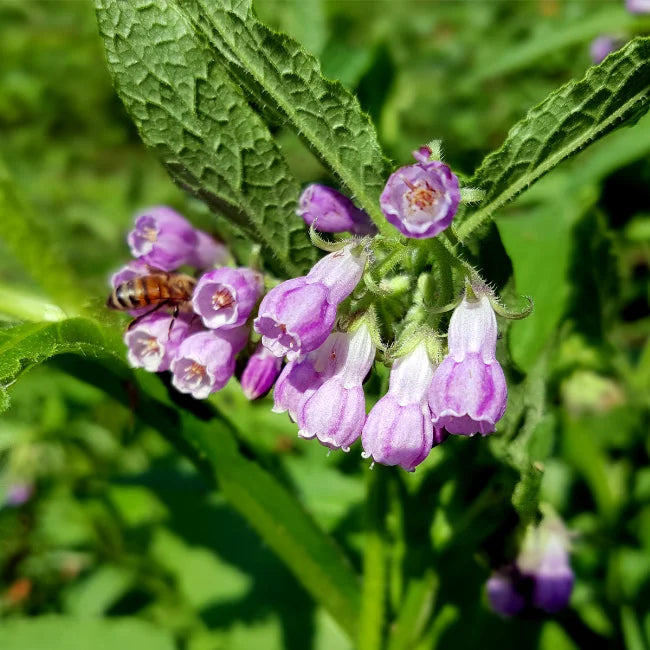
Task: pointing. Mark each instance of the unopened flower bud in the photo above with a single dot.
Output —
(468, 393)
(332, 211)
(225, 297)
(260, 372)
(421, 200)
(205, 361)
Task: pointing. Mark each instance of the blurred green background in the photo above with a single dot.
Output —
(109, 539)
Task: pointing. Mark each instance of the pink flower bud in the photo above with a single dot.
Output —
(260, 372)
(332, 211)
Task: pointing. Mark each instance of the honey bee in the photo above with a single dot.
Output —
(156, 290)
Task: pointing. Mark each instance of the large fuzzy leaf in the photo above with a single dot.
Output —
(199, 123)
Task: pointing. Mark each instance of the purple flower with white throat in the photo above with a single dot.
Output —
(163, 238)
(260, 372)
(468, 393)
(299, 379)
(154, 339)
(225, 297)
(298, 315)
(335, 413)
(205, 361)
(638, 6)
(398, 430)
(544, 558)
(332, 211)
(421, 200)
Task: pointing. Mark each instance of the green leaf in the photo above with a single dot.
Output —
(28, 344)
(68, 633)
(278, 71)
(199, 124)
(271, 510)
(570, 118)
(30, 244)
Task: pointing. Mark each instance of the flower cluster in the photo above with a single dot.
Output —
(195, 334)
(323, 323)
(541, 576)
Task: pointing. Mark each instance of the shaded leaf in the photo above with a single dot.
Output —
(68, 633)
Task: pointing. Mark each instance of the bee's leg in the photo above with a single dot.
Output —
(137, 319)
(172, 321)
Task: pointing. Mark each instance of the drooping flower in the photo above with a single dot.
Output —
(602, 46)
(332, 211)
(300, 378)
(205, 361)
(154, 339)
(398, 430)
(468, 393)
(544, 558)
(421, 200)
(225, 297)
(163, 238)
(298, 315)
(638, 6)
(541, 576)
(335, 413)
(260, 372)
(506, 591)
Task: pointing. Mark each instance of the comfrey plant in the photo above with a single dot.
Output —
(326, 322)
(393, 345)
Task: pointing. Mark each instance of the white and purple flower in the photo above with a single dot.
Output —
(398, 430)
(298, 315)
(336, 411)
(468, 393)
(153, 339)
(225, 297)
(421, 200)
(205, 361)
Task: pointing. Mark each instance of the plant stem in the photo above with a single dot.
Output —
(373, 595)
